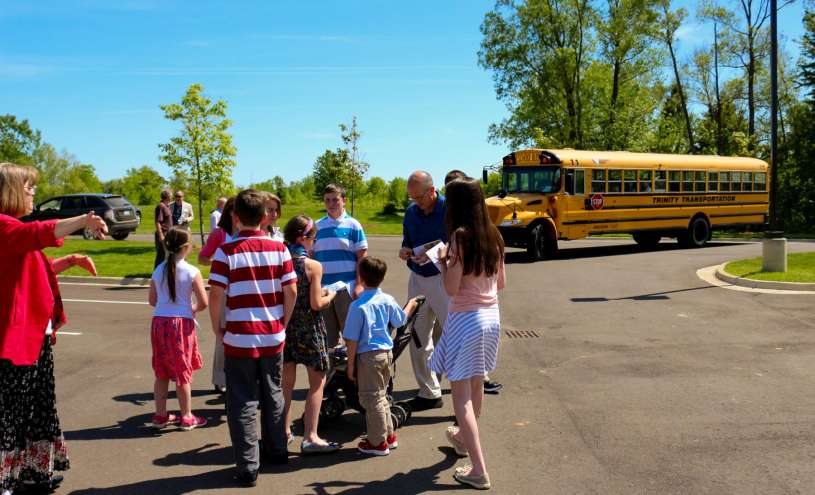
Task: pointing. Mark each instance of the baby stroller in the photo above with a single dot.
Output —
(340, 393)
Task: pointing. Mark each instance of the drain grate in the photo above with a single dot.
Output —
(521, 334)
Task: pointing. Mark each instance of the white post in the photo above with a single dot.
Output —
(774, 251)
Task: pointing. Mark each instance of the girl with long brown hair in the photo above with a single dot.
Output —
(473, 273)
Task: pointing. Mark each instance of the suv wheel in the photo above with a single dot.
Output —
(87, 234)
(120, 236)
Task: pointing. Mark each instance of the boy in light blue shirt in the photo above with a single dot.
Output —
(367, 335)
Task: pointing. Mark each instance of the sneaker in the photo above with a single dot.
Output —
(246, 478)
(188, 424)
(421, 404)
(392, 443)
(163, 421)
(367, 448)
(492, 387)
(478, 482)
(460, 448)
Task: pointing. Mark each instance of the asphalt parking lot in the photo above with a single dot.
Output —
(623, 371)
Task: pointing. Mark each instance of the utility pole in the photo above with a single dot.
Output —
(775, 245)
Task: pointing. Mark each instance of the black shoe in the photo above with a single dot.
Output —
(421, 404)
(273, 458)
(491, 387)
(246, 478)
(42, 487)
(220, 390)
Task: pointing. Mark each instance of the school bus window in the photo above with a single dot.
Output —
(687, 181)
(747, 181)
(598, 181)
(630, 181)
(512, 182)
(761, 181)
(615, 181)
(713, 181)
(674, 183)
(660, 181)
(735, 181)
(645, 180)
(699, 185)
(724, 181)
(580, 181)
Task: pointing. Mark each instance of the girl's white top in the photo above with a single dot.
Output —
(184, 276)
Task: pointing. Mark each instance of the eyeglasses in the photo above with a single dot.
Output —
(418, 198)
(179, 197)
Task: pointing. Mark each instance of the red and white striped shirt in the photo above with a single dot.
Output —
(253, 268)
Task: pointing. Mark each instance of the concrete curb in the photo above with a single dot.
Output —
(125, 281)
(761, 284)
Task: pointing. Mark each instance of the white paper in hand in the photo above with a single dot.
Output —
(433, 254)
(340, 285)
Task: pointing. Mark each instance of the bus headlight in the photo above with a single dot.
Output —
(510, 223)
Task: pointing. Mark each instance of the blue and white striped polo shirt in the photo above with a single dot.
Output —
(338, 241)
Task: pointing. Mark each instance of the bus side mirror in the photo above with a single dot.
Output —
(485, 176)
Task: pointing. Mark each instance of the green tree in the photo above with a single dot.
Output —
(142, 185)
(18, 141)
(397, 198)
(377, 188)
(350, 137)
(669, 23)
(203, 149)
(62, 173)
(538, 51)
(332, 167)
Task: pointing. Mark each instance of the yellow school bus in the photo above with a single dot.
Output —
(562, 194)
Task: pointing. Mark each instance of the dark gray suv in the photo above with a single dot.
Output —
(121, 217)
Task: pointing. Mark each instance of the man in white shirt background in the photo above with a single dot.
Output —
(215, 216)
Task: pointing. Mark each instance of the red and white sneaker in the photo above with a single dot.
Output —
(188, 424)
(392, 443)
(160, 422)
(367, 447)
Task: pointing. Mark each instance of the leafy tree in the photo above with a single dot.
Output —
(377, 188)
(203, 149)
(18, 141)
(670, 21)
(397, 198)
(332, 167)
(350, 137)
(538, 52)
(493, 184)
(81, 178)
(62, 173)
(142, 185)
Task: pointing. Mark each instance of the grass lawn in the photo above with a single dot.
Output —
(117, 258)
(370, 215)
(800, 268)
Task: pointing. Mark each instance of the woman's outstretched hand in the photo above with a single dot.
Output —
(96, 225)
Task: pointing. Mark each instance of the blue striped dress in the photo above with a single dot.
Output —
(469, 344)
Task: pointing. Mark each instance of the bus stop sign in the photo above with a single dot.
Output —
(597, 201)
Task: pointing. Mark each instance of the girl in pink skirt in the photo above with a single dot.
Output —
(175, 344)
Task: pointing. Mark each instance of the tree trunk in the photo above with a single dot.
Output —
(615, 93)
(719, 130)
(200, 200)
(681, 93)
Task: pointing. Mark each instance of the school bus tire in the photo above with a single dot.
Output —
(698, 233)
(540, 243)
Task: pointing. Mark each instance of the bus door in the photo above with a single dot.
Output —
(574, 198)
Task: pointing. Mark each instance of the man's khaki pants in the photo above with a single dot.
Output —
(432, 313)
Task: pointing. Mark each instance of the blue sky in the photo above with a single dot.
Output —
(91, 75)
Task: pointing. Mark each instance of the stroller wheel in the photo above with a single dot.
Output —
(332, 408)
(395, 420)
(406, 406)
(401, 415)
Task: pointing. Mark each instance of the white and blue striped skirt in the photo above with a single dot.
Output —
(469, 344)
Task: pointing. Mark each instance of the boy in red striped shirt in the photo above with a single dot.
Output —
(256, 275)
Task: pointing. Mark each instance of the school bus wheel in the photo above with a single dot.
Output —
(698, 233)
(541, 243)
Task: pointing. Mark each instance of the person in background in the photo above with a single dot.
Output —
(274, 209)
(367, 335)
(215, 216)
(490, 386)
(473, 273)
(227, 227)
(164, 220)
(306, 336)
(256, 275)
(182, 211)
(172, 332)
(32, 446)
(423, 223)
(340, 244)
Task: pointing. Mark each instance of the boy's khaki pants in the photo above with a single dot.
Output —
(373, 376)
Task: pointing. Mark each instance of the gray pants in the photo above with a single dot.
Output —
(427, 326)
(334, 316)
(250, 381)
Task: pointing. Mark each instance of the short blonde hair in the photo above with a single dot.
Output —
(269, 197)
(13, 179)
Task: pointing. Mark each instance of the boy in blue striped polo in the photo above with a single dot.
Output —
(340, 244)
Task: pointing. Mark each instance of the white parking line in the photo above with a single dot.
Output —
(104, 285)
(68, 333)
(104, 302)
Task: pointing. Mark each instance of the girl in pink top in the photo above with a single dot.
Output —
(473, 273)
